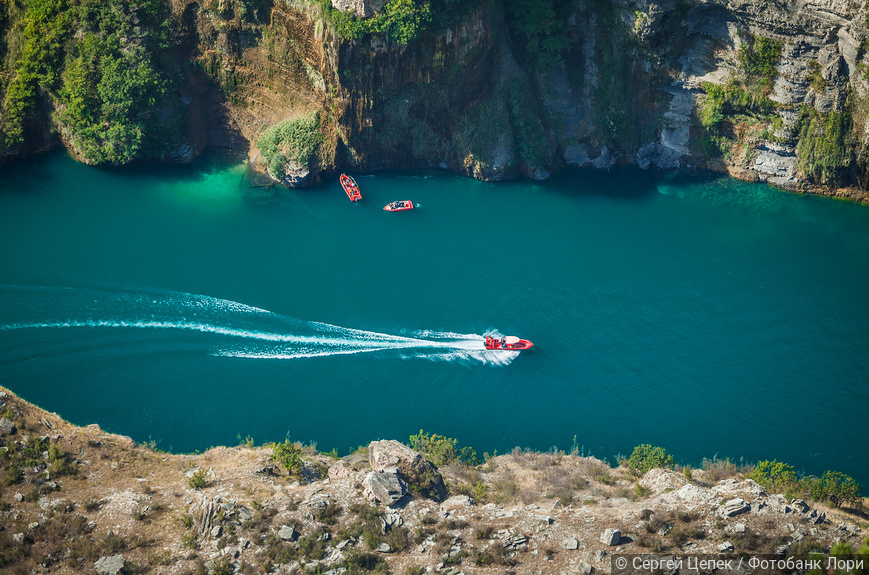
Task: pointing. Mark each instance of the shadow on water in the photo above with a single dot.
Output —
(627, 183)
(18, 175)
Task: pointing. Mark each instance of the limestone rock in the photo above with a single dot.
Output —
(288, 533)
(361, 8)
(390, 520)
(6, 427)
(583, 568)
(734, 507)
(611, 537)
(386, 486)
(457, 501)
(571, 544)
(411, 465)
(657, 480)
(384, 548)
(724, 547)
(109, 565)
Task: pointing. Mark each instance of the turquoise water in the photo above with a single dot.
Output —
(706, 315)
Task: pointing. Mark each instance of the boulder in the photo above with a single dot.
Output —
(384, 548)
(657, 480)
(6, 427)
(724, 547)
(800, 505)
(390, 520)
(583, 568)
(110, 565)
(412, 466)
(734, 507)
(611, 537)
(288, 533)
(571, 544)
(457, 501)
(386, 486)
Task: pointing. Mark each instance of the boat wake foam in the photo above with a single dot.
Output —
(228, 328)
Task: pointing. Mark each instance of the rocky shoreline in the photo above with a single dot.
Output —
(88, 501)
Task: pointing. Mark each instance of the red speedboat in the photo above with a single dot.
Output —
(399, 206)
(509, 343)
(351, 188)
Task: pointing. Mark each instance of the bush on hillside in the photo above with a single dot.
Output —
(646, 457)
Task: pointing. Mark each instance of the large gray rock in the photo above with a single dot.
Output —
(421, 474)
(658, 480)
(386, 486)
(6, 427)
(288, 533)
(611, 537)
(361, 8)
(110, 565)
(734, 507)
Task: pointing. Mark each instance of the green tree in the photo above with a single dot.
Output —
(289, 455)
(774, 475)
(541, 25)
(442, 450)
(840, 488)
(646, 457)
(405, 20)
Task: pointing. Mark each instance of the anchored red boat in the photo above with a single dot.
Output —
(399, 206)
(351, 188)
(510, 342)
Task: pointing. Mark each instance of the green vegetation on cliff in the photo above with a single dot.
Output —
(758, 57)
(93, 61)
(442, 450)
(833, 486)
(45, 26)
(401, 20)
(827, 145)
(746, 94)
(542, 27)
(291, 141)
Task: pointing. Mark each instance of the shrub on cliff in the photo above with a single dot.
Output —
(442, 450)
(289, 455)
(646, 457)
(542, 25)
(758, 57)
(774, 475)
(290, 141)
(826, 150)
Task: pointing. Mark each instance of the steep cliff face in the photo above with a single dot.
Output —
(773, 92)
(497, 89)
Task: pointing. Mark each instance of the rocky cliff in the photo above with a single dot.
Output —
(496, 89)
(80, 500)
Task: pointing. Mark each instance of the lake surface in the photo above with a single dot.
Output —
(179, 305)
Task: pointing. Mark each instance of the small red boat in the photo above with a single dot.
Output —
(510, 343)
(399, 206)
(351, 188)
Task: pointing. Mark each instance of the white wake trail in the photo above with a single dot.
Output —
(268, 335)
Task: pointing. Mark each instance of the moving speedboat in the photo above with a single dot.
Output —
(510, 343)
(351, 188)
(398, 206)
